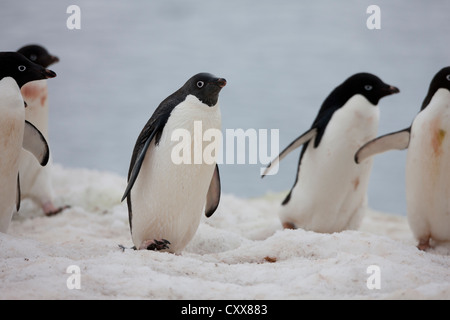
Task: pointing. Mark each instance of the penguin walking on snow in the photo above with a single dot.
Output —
(329, 193)
(427, 163)
(35, 180)
(165, 199)
(15, 132)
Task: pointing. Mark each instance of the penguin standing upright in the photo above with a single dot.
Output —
(427, 163)
(166, 199)
(329, 193)
(15, 132)
(36, 181)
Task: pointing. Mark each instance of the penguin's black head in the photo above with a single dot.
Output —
(206, 87)
(440, 81)
(16, 66)
(38, 55)
(368, 85)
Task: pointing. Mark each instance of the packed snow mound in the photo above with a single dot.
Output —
(241, 252)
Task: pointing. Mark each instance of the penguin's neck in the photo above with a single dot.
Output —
(10, 97)
(192, 110)
(439, 102)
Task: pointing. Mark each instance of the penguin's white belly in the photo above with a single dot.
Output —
(12, 122)
(428, 171)
(11, 146)
(168, 199)
(330, 194)
(35, 180)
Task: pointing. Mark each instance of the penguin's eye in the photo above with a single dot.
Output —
(368, 87)
(448, 77)
(22, 68)
(33, 57)
(200, 84)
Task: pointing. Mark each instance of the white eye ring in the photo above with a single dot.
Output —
(33, 57)
(22, 68)
(200, 84)
(368, 87)
(448, 77)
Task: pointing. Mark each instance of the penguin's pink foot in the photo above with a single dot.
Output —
(154, 245)
(50, 210)
(289, 225)
(424, 245)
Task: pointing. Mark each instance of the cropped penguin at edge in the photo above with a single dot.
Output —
(35, 180)
(427, 163)
(166, 200)
(15, 132)
(330, 190)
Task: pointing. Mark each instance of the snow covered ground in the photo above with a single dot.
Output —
(239, 253)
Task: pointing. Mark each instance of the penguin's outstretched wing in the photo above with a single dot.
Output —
(317, 130)
(318, 127)
(307, 136)
(34, 142)
(393, 141)
(213, 196)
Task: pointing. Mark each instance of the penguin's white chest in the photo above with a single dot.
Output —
(12, 122)
(428, 170)
(330, 194)
(35, 94)
(35, 180)
(168, 197)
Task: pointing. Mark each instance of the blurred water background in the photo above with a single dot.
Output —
(281, 59)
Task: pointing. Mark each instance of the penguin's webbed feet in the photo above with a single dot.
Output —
(155, 245)
(50, 210)
(289, 225)
(424, 244)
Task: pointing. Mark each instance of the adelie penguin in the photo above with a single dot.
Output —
(166, 200)
(35, 180)
(427, 163)
(330, 190)
(15, 132)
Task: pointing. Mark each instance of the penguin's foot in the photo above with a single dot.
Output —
(424, 245)
(154, 245)
(56, 211)
(289, 225)
(50, 210)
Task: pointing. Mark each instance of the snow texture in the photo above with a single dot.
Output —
(239, 253)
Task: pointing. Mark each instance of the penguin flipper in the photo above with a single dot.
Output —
(213, 196)
(307, 136)
(34, 142)
(18, 194)
(393, 141)
(136, 163)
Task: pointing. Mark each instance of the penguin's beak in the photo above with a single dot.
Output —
(391, 90)
(220, 82)
(49, 74)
